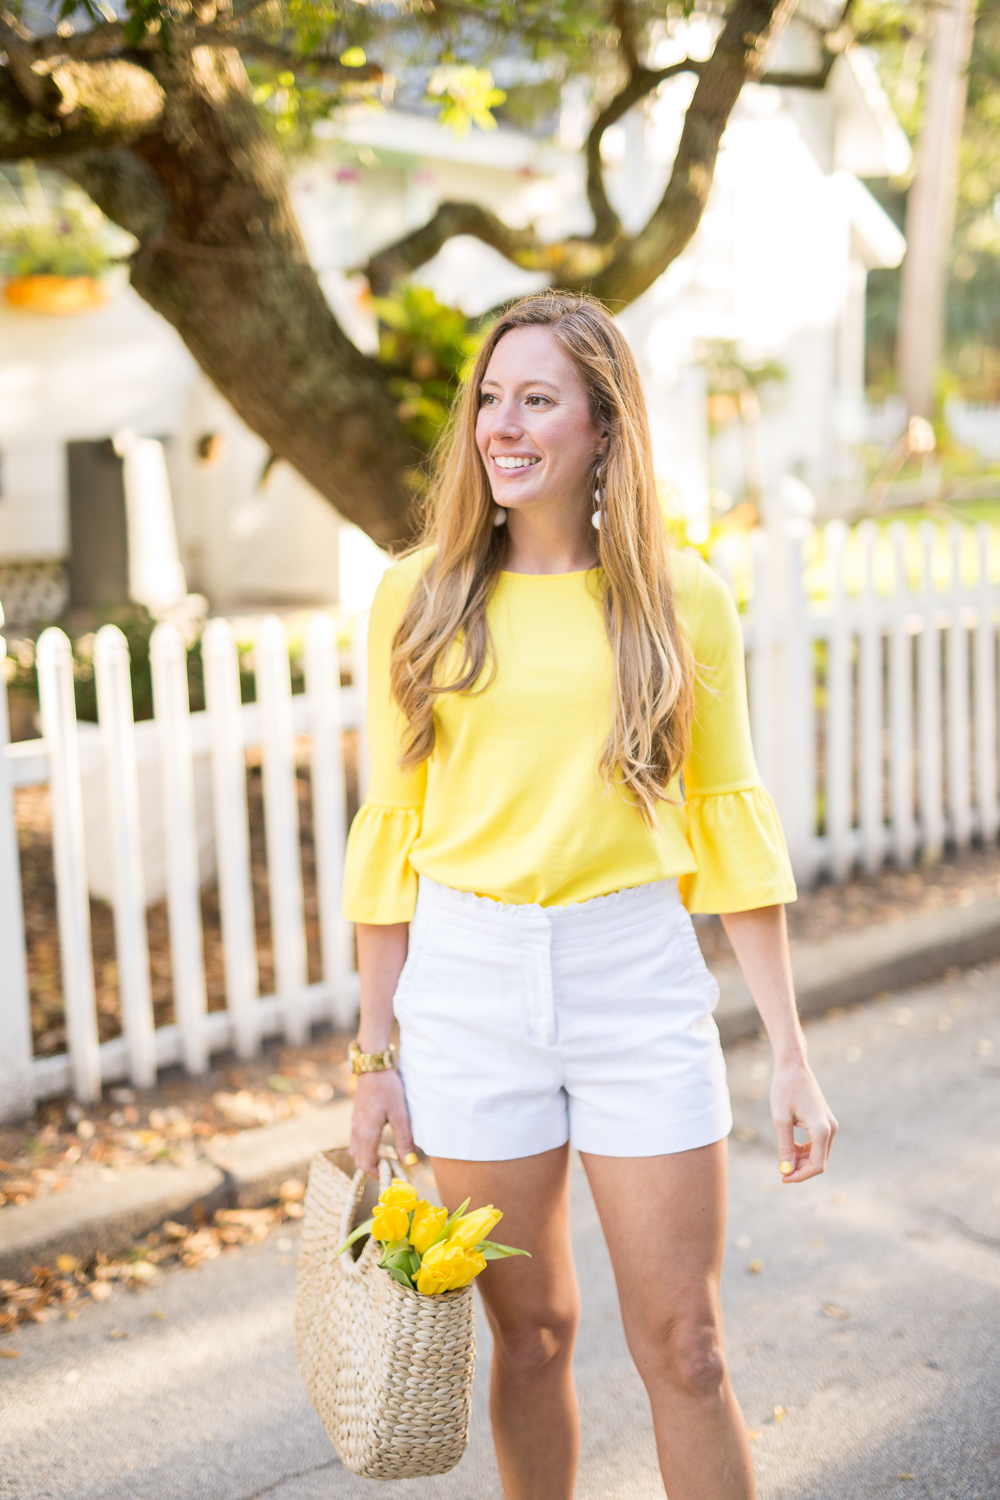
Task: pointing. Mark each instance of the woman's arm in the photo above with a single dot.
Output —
(379, 1096)
(760, 941)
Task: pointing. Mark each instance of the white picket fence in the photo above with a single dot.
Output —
(226, 729)
(872, 669)
(872, 663)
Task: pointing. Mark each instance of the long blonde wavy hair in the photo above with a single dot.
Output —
(653, 667)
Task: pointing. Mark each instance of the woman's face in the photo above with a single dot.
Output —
(534, 430)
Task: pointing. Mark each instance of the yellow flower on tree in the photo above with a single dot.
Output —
(467, 96)
(446, 1267)
(471, 1228)
(390, 1222)
(428, 1222)
(399, 1195)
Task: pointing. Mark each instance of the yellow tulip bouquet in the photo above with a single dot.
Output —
(424, 1247)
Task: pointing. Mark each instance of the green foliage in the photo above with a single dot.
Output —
(729, 372)
(64, 245)
(290, 105)
(427, 346)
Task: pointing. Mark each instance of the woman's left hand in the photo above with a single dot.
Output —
(797, 1099)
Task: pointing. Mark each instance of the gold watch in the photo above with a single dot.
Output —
(371, 1062)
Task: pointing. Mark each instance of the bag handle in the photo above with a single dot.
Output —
(386, 1169)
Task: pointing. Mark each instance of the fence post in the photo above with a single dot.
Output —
(121, 781)
(901, 710)
(168, 662)
(838, 709)
(232, 832)
(329, 810)
(281, 824)
(958, 698)
(58, 707)
(929, 709)
(986, 701)
(17, 1094)
(763, 707)
(870, 750)
(795, 794)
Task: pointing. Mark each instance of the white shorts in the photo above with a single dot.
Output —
(525, 1026)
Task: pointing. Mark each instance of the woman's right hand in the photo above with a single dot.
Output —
(379, 1098)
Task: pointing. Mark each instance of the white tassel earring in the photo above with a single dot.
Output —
(499, 516)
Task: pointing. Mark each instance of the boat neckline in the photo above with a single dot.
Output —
(575, 573)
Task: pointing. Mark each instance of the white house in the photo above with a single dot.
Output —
(778, 266)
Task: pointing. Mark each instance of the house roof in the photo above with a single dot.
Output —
(868, 139)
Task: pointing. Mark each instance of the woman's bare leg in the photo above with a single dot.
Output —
(533, 1311)
(664, 1219)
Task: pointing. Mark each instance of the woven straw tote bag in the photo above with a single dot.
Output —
(388, 1370)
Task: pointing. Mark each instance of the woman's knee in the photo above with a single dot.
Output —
(529, 1344)
(684, 1352)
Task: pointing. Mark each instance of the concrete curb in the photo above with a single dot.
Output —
(858, 965)
(108, 1216)
(256, 1162)
(247, 1170)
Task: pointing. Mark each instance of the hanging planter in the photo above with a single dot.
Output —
(46, 293)
(55, 252)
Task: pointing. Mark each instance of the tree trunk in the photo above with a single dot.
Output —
(930, 208)
(222, 259)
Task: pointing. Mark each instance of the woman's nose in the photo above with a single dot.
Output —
(505, 421)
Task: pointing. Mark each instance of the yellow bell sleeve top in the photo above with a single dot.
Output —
(510, 804)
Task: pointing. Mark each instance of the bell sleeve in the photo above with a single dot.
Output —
(732, 825)
(380, 884)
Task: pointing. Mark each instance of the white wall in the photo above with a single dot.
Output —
(82, 377)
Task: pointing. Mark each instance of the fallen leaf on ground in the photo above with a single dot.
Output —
(752, 1434)
(293, 1189)
(833, 1311)
(10, 1354)
(118, 1333)
(140, 1270)
(755, 1267)
(906, 1476)
(100, 1290)
(746, 1134)
(159, 1313)
(780, 1414)
(67, 1262)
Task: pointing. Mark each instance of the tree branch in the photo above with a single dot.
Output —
(221, 257)
(85, 105)
(397, 261)
(106, 41)
(642, 81)
(737, 58)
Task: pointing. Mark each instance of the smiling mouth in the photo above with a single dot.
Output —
(503, 462)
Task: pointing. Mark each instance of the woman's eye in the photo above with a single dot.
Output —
(536, 400)
(484, 398)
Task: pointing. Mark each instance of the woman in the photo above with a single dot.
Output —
(545, 677)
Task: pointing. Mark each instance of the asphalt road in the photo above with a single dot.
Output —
(872, 1317)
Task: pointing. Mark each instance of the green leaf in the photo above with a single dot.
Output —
(365, 1228)
(493, 1251)
(401, 1277)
